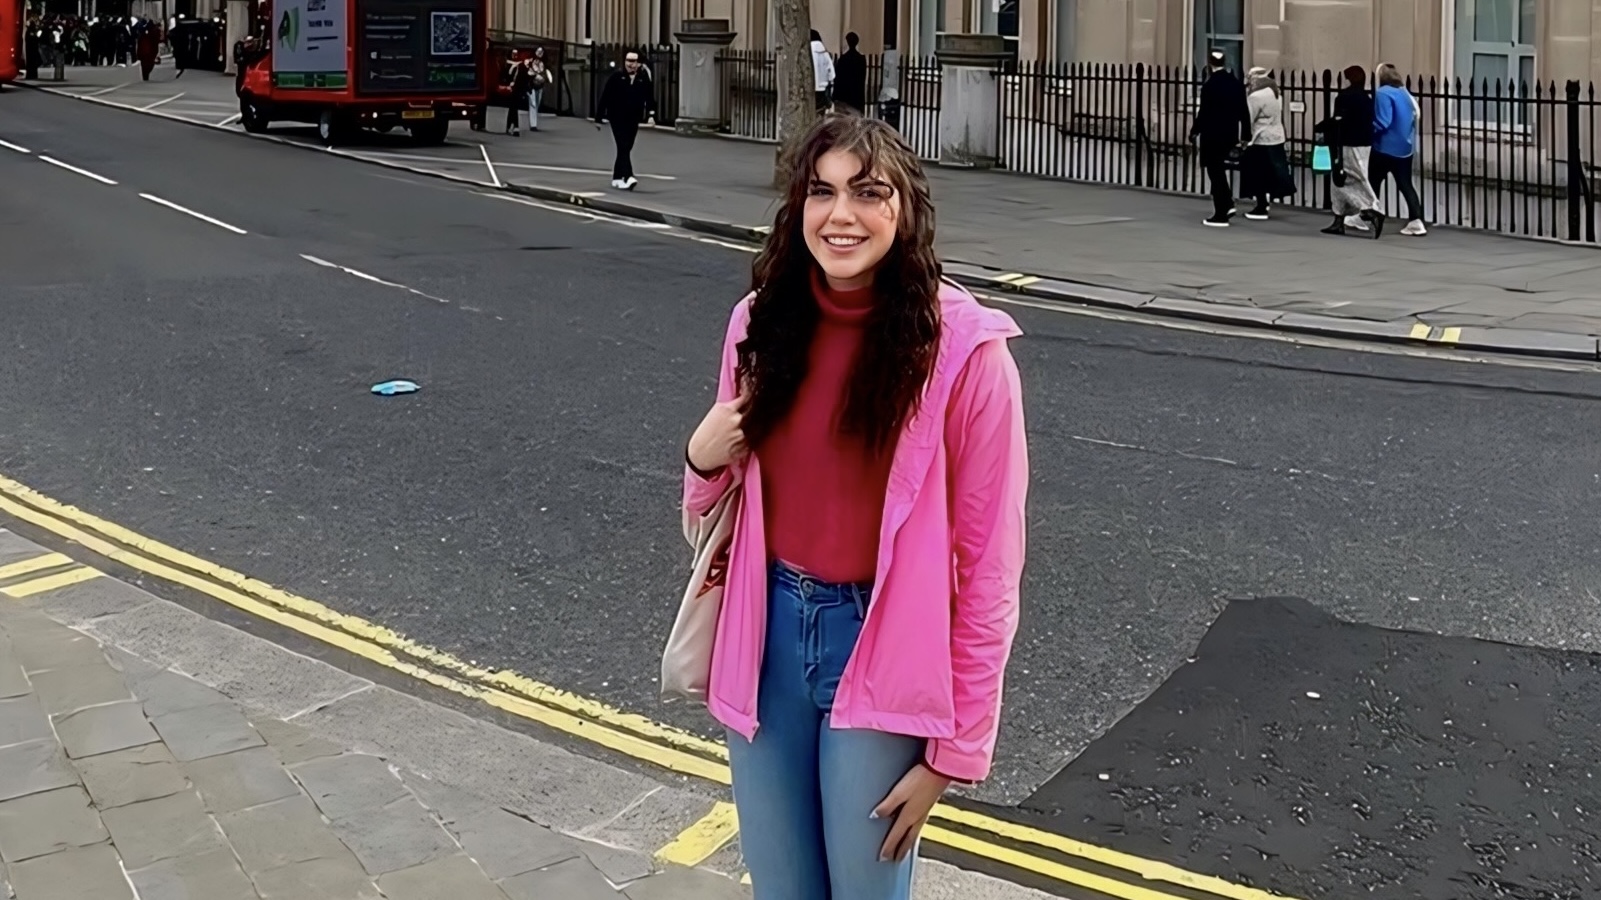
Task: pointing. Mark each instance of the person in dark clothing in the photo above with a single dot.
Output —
(850, 76)
(625, 101)
(1349, 136)
(32, 51)
(1222, 124)
(522, 82)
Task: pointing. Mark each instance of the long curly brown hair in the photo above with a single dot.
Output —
(902, 331)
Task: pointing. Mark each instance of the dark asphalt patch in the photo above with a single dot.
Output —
(1318, 758)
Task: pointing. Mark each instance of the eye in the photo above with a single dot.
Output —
(819, 190)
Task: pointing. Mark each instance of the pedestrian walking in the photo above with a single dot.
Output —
(822, 73)
(522, 81)
(866, 618)
(1222, 125)
(850, 76)
(148, 51)
(626, 101)
(1395, 132)
(538, 79)
(1349, 136)
(1264, 166)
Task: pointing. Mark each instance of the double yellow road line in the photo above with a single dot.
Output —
(1049, 857)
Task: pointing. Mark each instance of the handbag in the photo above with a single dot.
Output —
(687, 659)
(1322, 159)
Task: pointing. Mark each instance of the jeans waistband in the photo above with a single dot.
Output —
(817, 592)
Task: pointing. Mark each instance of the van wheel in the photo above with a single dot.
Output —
(333, 127)
(432, 133)
(253, 116)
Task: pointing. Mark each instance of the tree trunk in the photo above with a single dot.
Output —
(797, 104)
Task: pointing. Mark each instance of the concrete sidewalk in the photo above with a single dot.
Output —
(121, 778)
(150, 752)
(1122, 247)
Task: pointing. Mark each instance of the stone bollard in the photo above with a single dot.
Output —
(969, 99)
(700, 90)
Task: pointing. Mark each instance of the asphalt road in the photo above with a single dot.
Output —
(210, 388)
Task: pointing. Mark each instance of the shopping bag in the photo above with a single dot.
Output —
(1322, 160)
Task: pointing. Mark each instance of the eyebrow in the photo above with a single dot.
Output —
(855, 182)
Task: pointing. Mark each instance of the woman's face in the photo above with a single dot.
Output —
(850, 221)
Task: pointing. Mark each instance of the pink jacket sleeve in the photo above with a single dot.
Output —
(988, 475)
(700, 494)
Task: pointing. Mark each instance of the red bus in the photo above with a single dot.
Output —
(10, 40)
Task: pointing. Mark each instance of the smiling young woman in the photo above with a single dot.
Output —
(870, 416)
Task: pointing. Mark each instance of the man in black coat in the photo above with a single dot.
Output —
(850, 76)
(626, 101)
(1222, 123)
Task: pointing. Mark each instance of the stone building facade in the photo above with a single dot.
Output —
(1548, 39)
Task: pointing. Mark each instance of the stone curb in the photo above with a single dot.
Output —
(1493, 339)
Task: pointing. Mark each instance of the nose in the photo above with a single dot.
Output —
(841, 213)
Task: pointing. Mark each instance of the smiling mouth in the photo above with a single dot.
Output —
(843, 241)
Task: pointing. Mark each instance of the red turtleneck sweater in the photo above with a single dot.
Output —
(823, 491)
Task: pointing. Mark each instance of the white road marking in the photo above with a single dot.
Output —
(493, 176)
(588, 214)
(17, 147)
(163, 102)
(189, 212)
(103, 91)
(571, 171)
(365, 277)
(71, 168)
(230, 120)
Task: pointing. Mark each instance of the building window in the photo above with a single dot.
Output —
(1066, 49)
(1495, 44)
(1220, 25)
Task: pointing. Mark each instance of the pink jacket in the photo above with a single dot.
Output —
(953, 528)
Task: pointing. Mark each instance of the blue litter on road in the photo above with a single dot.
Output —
(391, 388)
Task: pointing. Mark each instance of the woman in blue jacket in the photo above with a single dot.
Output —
(1395, 130)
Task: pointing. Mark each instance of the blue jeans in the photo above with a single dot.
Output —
(805, 791)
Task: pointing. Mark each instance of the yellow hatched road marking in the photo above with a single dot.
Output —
(1420, 331)
(47, 561)
(627, 733)
(699, 841)
(50, 582)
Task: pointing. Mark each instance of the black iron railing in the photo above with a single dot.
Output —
(749, 80)
(1514, 158)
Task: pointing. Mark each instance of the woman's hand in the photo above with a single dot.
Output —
(718, 440)
(910, 802)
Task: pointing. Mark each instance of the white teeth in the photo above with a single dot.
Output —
(844, 241)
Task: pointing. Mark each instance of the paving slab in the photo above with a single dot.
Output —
(76, 687)
(291, 743)
(39, 824)
(165, 828)
(13, 683)
(104, 729)
(399, 836)
(168, 692)
(206, 731)
(87, 872)
(455, 877)
(279, 834)
(212, 875)
(33, 767)
(23, 719)
(686, 884)
(573, 879)
(344, 785)
(129, 776)
(50, 646)
(241, 779)
(339, 878)
(505, 844)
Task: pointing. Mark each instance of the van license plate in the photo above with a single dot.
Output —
(417, 114)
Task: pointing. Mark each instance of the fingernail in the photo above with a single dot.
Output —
(873, 814)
